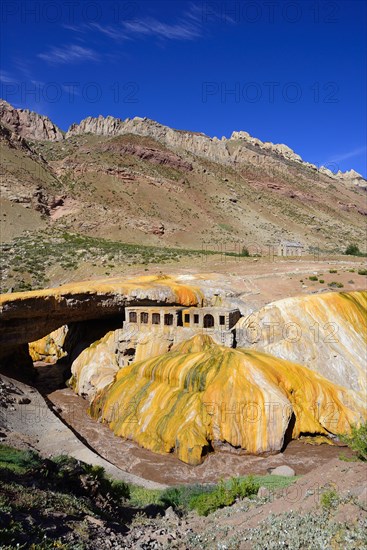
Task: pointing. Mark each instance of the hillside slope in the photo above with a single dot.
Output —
(140, 182)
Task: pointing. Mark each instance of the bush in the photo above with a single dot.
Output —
(245, 252)
(352, 250)
(362, 271)
(224, 495)
(335, 284)
(329, 499)
(321, 281)
(357, 440)
(313, 278)
(333, 271)
(18, 461)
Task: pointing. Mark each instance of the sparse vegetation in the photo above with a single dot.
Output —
(333, 271)
(313, 278)
(321, 281)
(50, 503)
(37, 492)
(362, 271)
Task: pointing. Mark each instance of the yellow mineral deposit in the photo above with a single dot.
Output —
(180, 293)
(200, 392)
(49, 348)
(326, 332)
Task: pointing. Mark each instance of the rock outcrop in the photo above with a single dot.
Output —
(200, 393)
(28, 124)
(325, 332)
(352, 177)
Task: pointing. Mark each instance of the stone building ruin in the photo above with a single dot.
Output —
(150, 330)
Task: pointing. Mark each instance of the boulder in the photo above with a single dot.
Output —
(285, 471)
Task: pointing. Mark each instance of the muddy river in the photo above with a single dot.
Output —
(167, 469)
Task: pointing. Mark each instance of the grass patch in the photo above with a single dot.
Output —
(206, 498)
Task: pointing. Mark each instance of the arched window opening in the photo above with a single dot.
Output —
(208, 321)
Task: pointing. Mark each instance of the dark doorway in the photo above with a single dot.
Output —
(156, 319)
(133, 317)
(168, 319)
(208, 321)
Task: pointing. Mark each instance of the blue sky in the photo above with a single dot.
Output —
(290, 72)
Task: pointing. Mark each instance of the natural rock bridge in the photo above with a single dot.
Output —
(28, 316)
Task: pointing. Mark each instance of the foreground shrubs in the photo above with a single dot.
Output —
(357, 440)
(224, 495)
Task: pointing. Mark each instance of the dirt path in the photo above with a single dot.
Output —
(26, 421)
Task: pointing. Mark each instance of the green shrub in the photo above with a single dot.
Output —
(224, 494)
(336, 284)
(313, 278)
(329, 499)
(321, 281)
(18, 461)
(207, 503)
(245, 252)
(357, 440)
(352, 250)
(333, 271)
(362, 271)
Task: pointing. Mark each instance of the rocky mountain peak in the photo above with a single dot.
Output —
(28, 124)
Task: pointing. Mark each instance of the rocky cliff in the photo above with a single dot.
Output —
(28, 124)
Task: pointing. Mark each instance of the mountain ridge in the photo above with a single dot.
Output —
(31, 125)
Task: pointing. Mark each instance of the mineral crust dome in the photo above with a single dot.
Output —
(200, 393)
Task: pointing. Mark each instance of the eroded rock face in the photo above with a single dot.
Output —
(325, 332)
(150, 154)
(201, 393)
(28, 124)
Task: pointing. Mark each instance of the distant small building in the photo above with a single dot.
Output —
(290, 248)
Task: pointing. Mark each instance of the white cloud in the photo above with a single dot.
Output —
(350, 154)
(183, 30)
(69, 54)
(7, 78)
